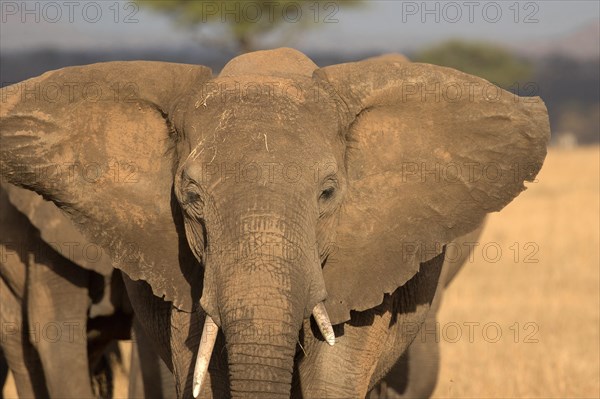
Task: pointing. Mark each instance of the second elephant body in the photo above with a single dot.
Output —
(58, 317)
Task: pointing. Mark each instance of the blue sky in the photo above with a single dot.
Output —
(380, 25)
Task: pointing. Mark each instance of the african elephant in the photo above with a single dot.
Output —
(61, 305)
(239, 205)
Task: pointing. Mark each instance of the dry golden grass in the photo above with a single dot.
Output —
(559, 294)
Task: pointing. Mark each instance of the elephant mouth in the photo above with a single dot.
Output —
(209, 336)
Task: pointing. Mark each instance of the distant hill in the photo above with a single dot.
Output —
(16, 66)
(569, 84)
(581, 44)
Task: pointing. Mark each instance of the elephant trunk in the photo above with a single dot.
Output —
(265, 278)
(262, 299)
(261, 337)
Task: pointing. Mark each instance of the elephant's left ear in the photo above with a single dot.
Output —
(433, 150)
(99, 141)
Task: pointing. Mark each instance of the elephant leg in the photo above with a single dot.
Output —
(422, 363)
(186, 333)
(103, 378)
(153, 316)
(102, 334)
(175, 336)
(57, 304)
(136, 381)
(3, 372)
(109, 317)
(345, 369)
(20, 355)
(414, 375)
(149, 376)
(369, 345)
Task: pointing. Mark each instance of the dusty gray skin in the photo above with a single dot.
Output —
(364, 235)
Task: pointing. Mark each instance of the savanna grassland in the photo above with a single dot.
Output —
(552, 283)
(522, 319)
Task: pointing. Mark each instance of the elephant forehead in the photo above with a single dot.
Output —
(248, 105)
(257, 89)
(259, 147)
(256, 148)
(284, 128)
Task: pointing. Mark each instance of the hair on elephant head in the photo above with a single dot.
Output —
(299, 188)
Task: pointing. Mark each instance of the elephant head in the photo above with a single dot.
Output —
(298, 188)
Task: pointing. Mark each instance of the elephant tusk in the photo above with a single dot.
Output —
(322, 319)
(207, 343)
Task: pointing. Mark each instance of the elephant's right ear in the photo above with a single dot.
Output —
(431, 151)
(96, 141)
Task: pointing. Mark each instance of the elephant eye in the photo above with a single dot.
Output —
(328, 196)
(328, 188)
(327, 193)
(192, 197)
(192, 203)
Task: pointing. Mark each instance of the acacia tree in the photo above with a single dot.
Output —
(245, 22)
(487, 60)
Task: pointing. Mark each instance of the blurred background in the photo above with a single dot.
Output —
(542, 292)
(545, 48)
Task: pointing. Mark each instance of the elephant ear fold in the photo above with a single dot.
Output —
(97, 141)
(58, 231)
(431, 152)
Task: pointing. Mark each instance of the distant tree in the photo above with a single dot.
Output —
(247, 21)
(486, 60)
